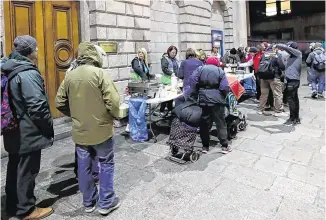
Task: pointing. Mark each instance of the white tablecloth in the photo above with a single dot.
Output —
(160, 100)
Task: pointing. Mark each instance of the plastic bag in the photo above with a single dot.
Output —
(137, 119)
(165, 80)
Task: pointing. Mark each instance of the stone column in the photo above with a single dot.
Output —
(195, 25)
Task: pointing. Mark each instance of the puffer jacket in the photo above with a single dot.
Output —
(88, 95)
(311, 58)
(293, 65)
(30, 103)
(208, 85)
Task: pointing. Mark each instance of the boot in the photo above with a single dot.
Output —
(39, 213)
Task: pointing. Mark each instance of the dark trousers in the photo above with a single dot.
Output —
(257, 87)
(20, 183)
(292, 87)
(168, 104)
(216, 114)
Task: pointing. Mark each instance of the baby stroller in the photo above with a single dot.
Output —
(235, 120)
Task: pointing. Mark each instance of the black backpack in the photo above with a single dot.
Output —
(265, 68)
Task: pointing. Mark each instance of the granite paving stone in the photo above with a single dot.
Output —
(241, 158)
(295, 155)
(299, 210)
(294, 190)
(273, 166)
(307, 175)
(261, 148)
(249, 176)
(318, 161)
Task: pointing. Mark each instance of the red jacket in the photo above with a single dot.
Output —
(256, 60)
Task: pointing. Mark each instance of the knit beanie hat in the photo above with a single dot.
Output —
(233, 51)
(212, 61)
(25, 45)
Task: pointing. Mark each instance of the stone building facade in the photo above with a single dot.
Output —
(156, 25)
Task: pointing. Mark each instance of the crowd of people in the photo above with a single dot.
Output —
(27, 125)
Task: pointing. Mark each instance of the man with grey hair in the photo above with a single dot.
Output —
(34, 131)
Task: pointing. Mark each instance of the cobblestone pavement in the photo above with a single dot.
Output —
(274, 172)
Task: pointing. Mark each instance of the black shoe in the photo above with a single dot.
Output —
(297, 121)
(314, 95)
(114, 206)
(289, 122)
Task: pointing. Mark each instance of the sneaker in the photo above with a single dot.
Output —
(39, 213)
(205, 150)
(280, 114)
(289, 122)
(226, 150)
(321, 96)
(116, 204)
(314, 95)
(90, 209)
(260, 112)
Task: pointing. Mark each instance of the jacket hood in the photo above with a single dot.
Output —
(14, 61)
(319, 50)
(87, 54)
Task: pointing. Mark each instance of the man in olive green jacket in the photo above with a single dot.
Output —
(89, 96)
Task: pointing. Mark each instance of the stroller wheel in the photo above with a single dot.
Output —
(194, 156)
(241, 126)
(232, 130)
(174, 151)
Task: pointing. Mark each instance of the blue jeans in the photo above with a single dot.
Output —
(105, 154)
(318, 78)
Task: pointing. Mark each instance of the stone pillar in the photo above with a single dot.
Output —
(195, 25)
(124, 22)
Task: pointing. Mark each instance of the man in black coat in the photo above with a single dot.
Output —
(29, 104)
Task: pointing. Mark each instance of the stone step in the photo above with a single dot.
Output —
(62, 129)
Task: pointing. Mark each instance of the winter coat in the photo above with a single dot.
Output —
(293, 66)
(187, 67)
(169, 65)
(88, 95)
(30, 103)
(254, 62)
(311, 58)
(277, 63)
(140, 68)
(208, 85)
(231, 59)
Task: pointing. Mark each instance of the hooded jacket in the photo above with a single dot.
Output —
(293, 65)
(89, 96)
(208, 85)
(30, 103)
(140, 68)
(311, 58)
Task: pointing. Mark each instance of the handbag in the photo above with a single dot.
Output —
(165, 80)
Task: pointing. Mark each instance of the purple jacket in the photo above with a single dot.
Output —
(187, 67)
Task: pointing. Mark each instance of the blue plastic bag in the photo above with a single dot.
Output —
(137, 119)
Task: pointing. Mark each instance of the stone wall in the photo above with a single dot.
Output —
(164, 32)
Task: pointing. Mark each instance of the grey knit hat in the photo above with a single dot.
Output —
(25, 45)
